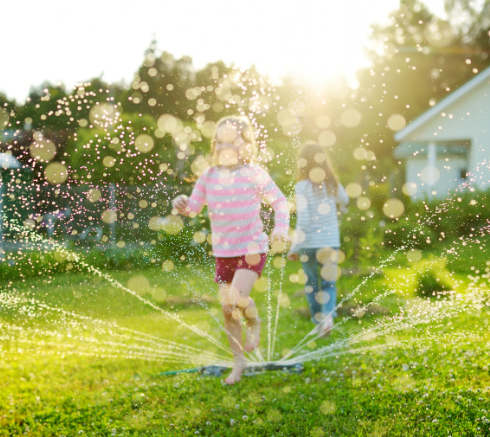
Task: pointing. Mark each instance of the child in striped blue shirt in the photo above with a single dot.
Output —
(319, 195)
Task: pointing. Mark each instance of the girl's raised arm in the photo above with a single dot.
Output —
(342, 198)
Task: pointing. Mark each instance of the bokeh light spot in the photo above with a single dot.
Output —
(279, 262)
(109, 161)
(199, 165)
(144, 143)
(320, 157)
(102, 112)
(350, 118)
(43, 150)
(327, 138)
(409, 188)
(170, 124)
(330, 272)
(199, 237)
(93, 195)
(284, 301)
(168, 265)
(173, 224)
(56, 173)
(139, 284)
(156, 223)
(326, 255)
(262, 284)
(396, 122)
(208, 128)
(278, 246)
(317, 175)
(363, 203)
(360, 153)
(322, 297)
(353, 190)
(393, 208)
(323, 121)
(414, 255)
(159, 294)
(4, 118)
(109, 216)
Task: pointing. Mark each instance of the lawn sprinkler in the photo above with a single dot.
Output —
(255, 369)
(204, 370)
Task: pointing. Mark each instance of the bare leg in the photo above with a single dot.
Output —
(236, 302)
(252, 332)
(232, 315)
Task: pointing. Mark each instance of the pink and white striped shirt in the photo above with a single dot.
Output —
(234, 199)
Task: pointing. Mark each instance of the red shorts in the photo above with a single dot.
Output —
(226, 267)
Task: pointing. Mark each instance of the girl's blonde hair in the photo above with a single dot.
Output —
(245, 129)
(311, 158)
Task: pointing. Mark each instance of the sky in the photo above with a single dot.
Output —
(74, 41)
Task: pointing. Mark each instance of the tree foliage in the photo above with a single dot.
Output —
(416, 60)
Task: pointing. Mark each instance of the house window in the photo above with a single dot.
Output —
(463, 173)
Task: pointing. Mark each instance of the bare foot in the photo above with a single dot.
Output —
(236, 373)
(252, 335)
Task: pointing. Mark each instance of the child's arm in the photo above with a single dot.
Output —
(274, 197)
(342, 198)
(191, 206)
(302, 221)
(180, 203)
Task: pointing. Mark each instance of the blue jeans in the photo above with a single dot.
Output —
(321, 292)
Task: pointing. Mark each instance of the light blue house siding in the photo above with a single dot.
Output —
(449, 145)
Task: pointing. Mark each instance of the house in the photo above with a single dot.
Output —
(449, 144)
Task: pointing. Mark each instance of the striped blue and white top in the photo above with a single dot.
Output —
(317, 223)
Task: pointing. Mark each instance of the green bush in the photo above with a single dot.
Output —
(429, 285)
(409, 234)
(29, 264)
(458, 215)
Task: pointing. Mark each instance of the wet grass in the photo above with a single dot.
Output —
(77, 373)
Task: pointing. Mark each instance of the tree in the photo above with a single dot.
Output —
(160, 85)
(471, 21)
(416, 61)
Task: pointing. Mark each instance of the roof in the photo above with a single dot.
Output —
(418, 149)
(444, 103)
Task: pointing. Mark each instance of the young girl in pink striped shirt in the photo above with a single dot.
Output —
(234, 188)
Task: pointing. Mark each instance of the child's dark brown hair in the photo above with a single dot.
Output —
(312, 158)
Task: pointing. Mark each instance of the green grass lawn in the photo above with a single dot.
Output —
(80, 356)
